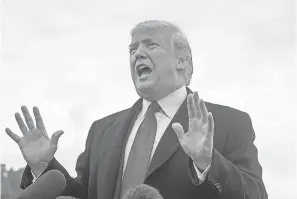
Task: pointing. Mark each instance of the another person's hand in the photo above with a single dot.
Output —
(36, 147)
(198, 141)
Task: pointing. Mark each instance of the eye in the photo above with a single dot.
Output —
(132, 50)
(153, 46)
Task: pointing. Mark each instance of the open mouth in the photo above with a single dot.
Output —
(143, 71)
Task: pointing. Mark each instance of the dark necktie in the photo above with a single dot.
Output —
(141, 150)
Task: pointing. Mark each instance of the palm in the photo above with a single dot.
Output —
(194, 138)
(35, 144)
(36, 140)
(198, 141)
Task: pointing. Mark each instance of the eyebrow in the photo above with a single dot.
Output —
(137, 42)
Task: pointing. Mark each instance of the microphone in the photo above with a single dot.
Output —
(48, 186)
(142, 191)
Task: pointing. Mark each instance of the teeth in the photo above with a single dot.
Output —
(140, 68)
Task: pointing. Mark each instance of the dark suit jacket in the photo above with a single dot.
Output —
(235, 172)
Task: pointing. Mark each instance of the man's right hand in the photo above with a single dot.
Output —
(37, 149)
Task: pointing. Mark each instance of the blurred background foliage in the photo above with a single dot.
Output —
(10, 182)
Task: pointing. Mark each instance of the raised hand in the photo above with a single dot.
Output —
(36, 147)
(198, 141)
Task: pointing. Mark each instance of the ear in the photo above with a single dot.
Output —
(181, 64)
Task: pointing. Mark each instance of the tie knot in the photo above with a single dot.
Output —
(154, 107)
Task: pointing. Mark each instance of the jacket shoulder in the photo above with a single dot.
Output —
(99, 126)
(228, 118)
(226, 111)
(230, 124)
(112, 117)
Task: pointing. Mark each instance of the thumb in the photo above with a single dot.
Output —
(178, 129)
(55, 137)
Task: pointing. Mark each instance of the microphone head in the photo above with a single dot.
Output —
(48, 186)
(142, 191)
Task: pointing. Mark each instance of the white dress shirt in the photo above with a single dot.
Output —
(169, 105)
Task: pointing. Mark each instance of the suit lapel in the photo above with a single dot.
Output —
(111, 150)
(121, 166)
(169, 143)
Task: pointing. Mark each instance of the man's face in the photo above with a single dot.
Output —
(153, 64)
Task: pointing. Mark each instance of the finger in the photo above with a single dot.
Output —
(208, 143)
(203, 111)
(178, 129)
(28, 118)
(190, 106)
(21, 123)
(13, 136)
(210, 122)
(55, 137)
(210, 133)
(38, 119)
(196, 105)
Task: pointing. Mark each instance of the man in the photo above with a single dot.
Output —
(170, 138)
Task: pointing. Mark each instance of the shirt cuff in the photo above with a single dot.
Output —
(201, 176)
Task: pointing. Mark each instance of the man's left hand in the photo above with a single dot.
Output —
(198, 141)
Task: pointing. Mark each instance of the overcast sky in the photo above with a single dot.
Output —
(70, 58)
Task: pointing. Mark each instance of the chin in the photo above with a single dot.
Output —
(150, 89)
(146, 91)
(151, 93)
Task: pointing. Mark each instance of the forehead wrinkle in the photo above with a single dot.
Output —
(145, 39)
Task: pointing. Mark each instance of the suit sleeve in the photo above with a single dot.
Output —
(237, 174)
(76, 187)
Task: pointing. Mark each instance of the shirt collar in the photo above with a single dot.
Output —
(169, 104)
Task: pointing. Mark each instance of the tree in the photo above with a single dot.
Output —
(10, 182)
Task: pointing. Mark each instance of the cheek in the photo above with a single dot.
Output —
(159, 59)
(165, 66)
(132, 62)
(167, 73)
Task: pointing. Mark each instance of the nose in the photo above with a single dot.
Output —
(140, 53)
